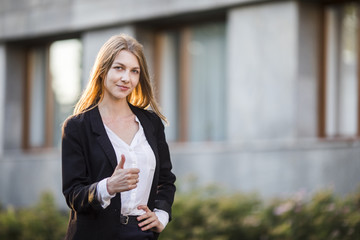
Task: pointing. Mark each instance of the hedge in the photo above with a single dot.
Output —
(213, 214)
(209, 213)
(41, 222)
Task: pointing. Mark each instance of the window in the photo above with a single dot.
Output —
(51, 89)
(192, 72)
(341, 80)
(36, 105)
(65, 70)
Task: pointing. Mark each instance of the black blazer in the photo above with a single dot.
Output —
(88, 157)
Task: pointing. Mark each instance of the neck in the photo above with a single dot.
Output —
(110, 108)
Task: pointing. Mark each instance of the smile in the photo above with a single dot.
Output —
(123, 88)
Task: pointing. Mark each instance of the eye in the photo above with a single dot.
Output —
(136, 71)
(118, 67)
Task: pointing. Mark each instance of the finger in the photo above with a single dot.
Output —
(147, 214)
(143, 217)
(121, 163)
(147, 221)
(133, 170)
(151, 225)
(144, 207)
(133, 182)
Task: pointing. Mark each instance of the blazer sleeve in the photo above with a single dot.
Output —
(166, 186)
(79, 192)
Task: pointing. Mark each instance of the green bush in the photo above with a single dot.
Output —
(41, 222)
(212, 214)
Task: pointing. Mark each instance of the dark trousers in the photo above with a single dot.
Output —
(134, 232)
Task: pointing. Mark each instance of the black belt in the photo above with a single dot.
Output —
(127, 219)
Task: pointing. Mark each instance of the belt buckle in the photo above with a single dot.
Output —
(124, 219)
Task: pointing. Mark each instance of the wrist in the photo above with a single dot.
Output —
(108, 188)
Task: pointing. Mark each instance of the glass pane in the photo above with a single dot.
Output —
(65, 70)
(348, 72)
(207, 83)
(342, 62)
(169, 82)
(37, 77)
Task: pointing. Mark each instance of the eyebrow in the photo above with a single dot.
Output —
(119, 63)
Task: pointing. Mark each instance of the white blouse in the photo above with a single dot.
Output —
(137, 155)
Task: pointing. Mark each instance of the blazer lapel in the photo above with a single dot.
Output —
(149, 130)
(102, 138)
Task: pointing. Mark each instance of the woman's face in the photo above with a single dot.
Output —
(123, 76)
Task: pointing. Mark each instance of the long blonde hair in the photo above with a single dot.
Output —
(142, 96)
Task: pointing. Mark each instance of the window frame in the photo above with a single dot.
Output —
(184, 71)
(49, 109)
(322, 95)
(183, 80)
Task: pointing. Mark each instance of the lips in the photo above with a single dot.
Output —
(122, 88)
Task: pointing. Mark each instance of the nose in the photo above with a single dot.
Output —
(125, 77)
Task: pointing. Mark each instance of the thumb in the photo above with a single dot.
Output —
(121, 163)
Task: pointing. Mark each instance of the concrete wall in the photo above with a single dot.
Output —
(273, 85)
(55, 16)
(262, 61)
(24, 176)
(270, 170)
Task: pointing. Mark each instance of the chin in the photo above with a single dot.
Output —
(118, 98)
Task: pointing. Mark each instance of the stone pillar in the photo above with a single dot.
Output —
(262, 69)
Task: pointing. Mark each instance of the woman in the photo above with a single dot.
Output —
(116, 167)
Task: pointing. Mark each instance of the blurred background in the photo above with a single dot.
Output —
(261, 96)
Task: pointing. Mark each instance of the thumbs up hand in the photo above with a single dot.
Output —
(121, 163)
(122, 179)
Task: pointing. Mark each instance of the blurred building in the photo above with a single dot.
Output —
(261, 95)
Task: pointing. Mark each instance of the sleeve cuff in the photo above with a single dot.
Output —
(162, 216)
(103, 196)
